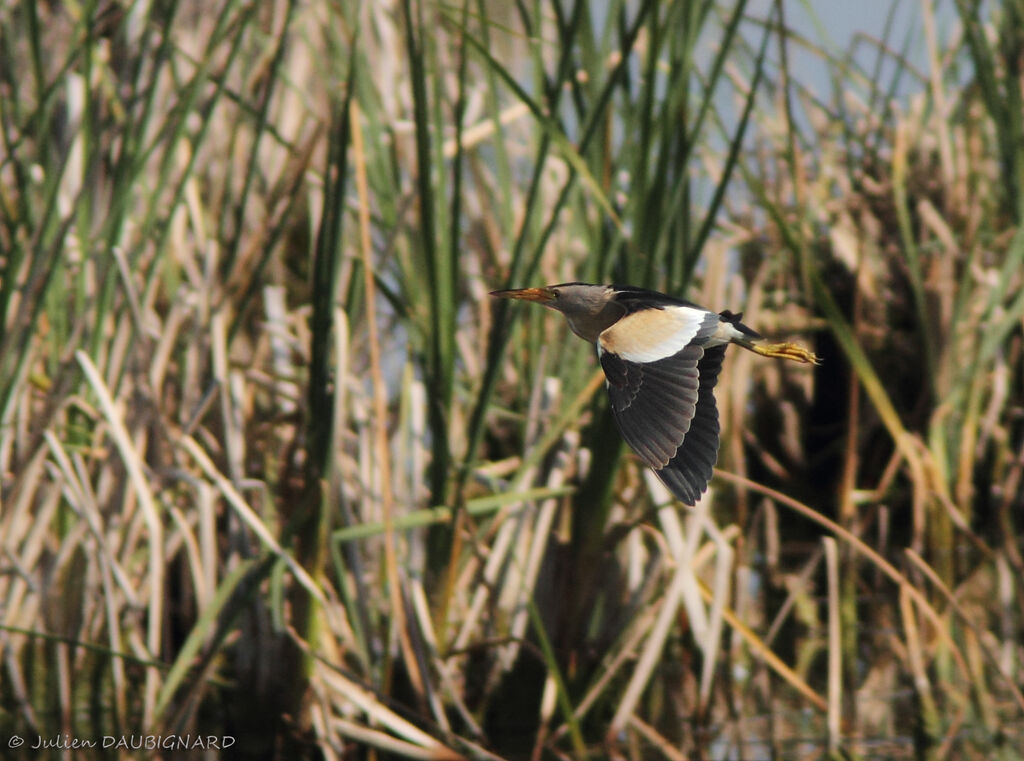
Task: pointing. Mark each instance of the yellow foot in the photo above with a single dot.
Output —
(794, 352)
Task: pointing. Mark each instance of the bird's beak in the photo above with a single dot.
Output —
(543, 295)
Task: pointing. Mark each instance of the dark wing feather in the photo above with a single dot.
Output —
(634, 299)
(687, 474)
(654, 402)
(666, 412)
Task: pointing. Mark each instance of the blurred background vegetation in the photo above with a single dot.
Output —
(274, 468)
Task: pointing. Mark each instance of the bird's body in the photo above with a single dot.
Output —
(661, 358)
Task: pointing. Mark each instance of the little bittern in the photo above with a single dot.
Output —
(661, 358)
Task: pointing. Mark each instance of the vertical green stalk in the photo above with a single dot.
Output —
(440, 269)
(998, 72)
(309, 526)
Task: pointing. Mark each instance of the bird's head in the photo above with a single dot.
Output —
(588, 308)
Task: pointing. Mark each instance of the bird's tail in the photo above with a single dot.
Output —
(755, 342)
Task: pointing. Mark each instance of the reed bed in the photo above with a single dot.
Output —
(278, 479)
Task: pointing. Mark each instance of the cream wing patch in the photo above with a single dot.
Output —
(652, 334)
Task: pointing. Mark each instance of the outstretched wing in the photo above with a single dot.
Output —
(687, 474)
(666, 412)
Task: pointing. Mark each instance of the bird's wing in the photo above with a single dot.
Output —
(666, 412)
(648, 335)
(687, 474)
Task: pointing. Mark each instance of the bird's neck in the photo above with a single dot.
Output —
(589, 325)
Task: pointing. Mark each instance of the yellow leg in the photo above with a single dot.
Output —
(794, 352)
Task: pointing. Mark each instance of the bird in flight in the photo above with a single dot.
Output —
(661, 358)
